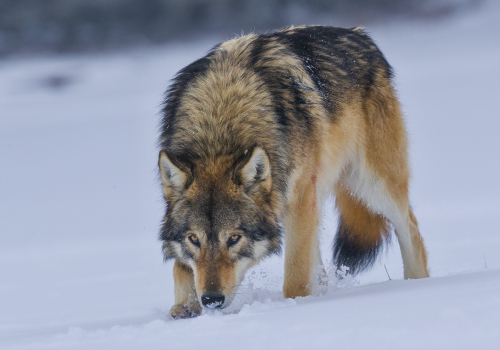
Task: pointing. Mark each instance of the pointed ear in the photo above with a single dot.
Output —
(174, 175)
(255, 171)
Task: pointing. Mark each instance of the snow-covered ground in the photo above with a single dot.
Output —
(80, 206)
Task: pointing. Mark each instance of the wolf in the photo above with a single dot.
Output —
(256, 135)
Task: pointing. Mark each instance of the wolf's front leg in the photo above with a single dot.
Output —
(301, 241)
(186, 302)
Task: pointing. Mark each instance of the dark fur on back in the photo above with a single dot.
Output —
(336, 59)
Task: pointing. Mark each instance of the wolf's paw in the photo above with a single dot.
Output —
(185, 310)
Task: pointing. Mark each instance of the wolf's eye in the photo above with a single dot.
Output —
(233, 239)
(194, 239)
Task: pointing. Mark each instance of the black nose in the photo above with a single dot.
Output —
(212, 300)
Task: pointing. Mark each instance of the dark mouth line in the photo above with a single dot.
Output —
(215, 304)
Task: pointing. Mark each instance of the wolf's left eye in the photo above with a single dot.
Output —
(233, 239)
(194, 239)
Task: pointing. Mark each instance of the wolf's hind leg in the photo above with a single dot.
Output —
(301, 243)
(384, 174)
(378, 176)
(412, 247)
(398, 211)
(186, 302)
(365, 212)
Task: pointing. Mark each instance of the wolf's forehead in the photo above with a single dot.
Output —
(213, 213)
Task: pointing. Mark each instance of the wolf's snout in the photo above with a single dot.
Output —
(212, 300)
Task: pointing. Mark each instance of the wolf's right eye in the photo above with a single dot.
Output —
(233, 239)
(194, 239)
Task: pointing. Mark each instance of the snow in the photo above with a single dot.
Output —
(80, 207)
(393, 314)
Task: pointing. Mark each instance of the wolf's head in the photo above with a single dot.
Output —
(220, 219)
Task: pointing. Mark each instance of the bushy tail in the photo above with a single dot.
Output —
(360, 236)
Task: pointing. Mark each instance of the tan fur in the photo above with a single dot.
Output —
(418, 244)
(366, 227)
(222, 278)
(301, 224)
(186, 302)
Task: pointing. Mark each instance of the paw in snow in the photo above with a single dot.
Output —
(185, 310)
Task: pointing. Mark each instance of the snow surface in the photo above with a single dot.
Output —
(80, 206)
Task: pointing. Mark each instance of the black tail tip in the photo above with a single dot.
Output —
(350, 257)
